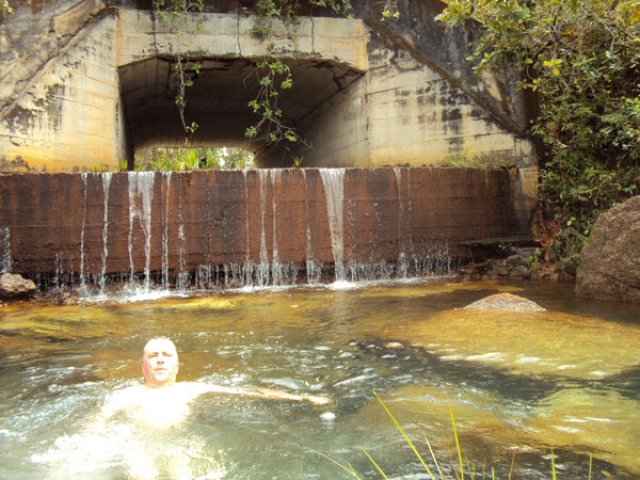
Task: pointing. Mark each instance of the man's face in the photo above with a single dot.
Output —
(159, 363)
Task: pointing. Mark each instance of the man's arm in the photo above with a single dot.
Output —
(260, 392)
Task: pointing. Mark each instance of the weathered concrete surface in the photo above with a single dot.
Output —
(610, 265)
(186, 222)
(94, 96)
(59, 90)
(402, 112)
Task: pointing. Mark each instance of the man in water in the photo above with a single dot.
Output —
(160, 404)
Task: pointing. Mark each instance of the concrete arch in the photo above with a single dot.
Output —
(104, 90)
(325, 55)
(218, 100)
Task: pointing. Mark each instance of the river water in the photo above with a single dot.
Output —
(521, 385)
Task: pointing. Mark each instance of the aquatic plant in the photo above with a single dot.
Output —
(461, 468)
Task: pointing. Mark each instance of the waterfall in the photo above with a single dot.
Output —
(106, 186)
(141, 187)
(247, 268)
(182, 280)
(262, 271)
(6, 262)
(278, 271)
(261, 233)
(314, 270)
(402, 267)
(57, 279)
(83, 285)
(165, 230)
(333, 181)
(183, 276)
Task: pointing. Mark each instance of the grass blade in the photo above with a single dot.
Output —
(513, 464)
(455, 435)
(433, 456)
(406, 437)
(375, 464)
(347, 468)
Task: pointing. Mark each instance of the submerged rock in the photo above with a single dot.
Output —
(610, 264)
(539, 344)
(13, 285)
(505, 302)
(600, 421)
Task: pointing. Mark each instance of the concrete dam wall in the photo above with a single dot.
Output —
(248, 228)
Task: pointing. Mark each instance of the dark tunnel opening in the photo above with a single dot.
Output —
(218, 102)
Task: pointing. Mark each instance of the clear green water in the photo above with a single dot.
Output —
(520, 383)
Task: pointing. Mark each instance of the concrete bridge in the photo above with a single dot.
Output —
(84, 83)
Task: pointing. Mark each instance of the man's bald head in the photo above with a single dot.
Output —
(159, 362)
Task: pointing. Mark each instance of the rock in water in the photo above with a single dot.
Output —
(505, 302)
(13, 285)
(610, 265)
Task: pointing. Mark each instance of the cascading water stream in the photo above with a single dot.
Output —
(278, 271)
(262, 271)
(333, 181)
(403, 266)
(6, 262)
(106, 186)
(314, 270)
(83, 284)
(141, 190)
(182, 283)
(247, 268)
(263, 233)
(165, 231)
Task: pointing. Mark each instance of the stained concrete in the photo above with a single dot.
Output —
(123, 224)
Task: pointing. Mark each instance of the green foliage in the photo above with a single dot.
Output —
(122, 165)
(178, 17)
(186, 159)
(582, 59)
(5, 6)
(103, 167)
(272, 74)
(290, 9)
(390, 10)
(273, 77)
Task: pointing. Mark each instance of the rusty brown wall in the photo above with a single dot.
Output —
(53, 223)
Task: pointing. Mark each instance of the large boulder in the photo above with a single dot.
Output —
(13, 285)
(610, 264)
